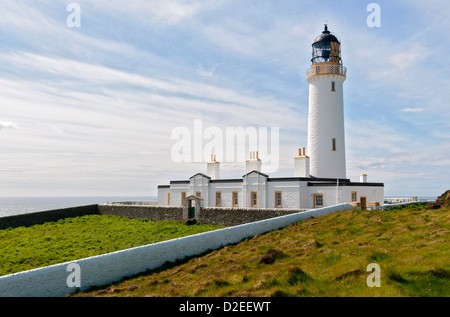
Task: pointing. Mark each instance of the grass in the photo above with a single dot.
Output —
(326, 256)
(70, 239)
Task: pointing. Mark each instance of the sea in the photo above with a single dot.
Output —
(10, 206)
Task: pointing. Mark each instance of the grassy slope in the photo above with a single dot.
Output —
(75, 238)
(327, 256)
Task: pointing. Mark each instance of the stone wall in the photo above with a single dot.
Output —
(156, 213)
(35, 218)
(233, 217)
(216, 216)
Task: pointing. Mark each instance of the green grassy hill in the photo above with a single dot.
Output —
(326, 256)
(27, 248)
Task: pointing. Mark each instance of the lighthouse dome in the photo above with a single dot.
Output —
(326, 48)
(326, 36)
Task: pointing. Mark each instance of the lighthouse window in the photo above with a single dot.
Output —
(278, 200)
(333, 144)
(318, 200)
(235, 199)
(183, 197)
(254, 199)
(333, 86)
(218, 199)
(354, 196)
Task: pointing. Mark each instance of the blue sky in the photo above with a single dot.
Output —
(90, 110)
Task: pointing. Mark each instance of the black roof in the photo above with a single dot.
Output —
(326, 36)
(311, 184)
(201, 174)
(257, 172)
(312, 181)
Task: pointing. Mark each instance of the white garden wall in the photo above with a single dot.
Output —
(105, 269)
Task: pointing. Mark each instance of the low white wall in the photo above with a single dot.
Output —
(105, 269)
(388, 206)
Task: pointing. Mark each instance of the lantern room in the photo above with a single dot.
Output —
(326, 48)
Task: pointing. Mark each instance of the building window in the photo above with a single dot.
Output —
(318, 200)
(183, 197)
(333, 144)
(354, 196)
(235, 199)
(198, 194)
(168, 199)
(278, 200)
(218, 199)
(333, 86)
(254, 199)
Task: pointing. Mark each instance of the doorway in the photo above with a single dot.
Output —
(363, 202)
(191, 212)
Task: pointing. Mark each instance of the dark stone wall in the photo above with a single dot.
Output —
(233, 217)
(142, 212)
(216, 216)
(35, 218)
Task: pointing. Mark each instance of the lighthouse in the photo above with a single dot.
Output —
(326, 135)
(319, 178)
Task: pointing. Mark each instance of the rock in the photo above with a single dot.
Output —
(311, 243)
(190, 222)
(442, 201)
(356, 272)
(102, 292)
(297, 275)
(270, 256)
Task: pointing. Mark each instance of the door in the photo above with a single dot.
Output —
(363, 203)
(191, 213)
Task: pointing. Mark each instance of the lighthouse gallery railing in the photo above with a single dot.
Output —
(326, 69)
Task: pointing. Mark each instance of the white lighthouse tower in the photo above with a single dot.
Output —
(326, 136)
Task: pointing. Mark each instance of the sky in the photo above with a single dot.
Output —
(89, 109)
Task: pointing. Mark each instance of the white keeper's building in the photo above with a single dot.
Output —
(319, 179)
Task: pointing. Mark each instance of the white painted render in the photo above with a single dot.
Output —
(175, 193)
(296, 193)
(253, 165)
(325, 122)
(213, 170)
(363, 178)
(290, 193)
(301, 166)
(163, 199)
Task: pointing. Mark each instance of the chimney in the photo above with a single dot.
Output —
(301, 167)
(254, 163)
(363, 178)
(213, 168)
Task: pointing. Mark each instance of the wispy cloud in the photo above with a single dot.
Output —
(7, 125)
(100, 102)
(412, 109)
(161, 13)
